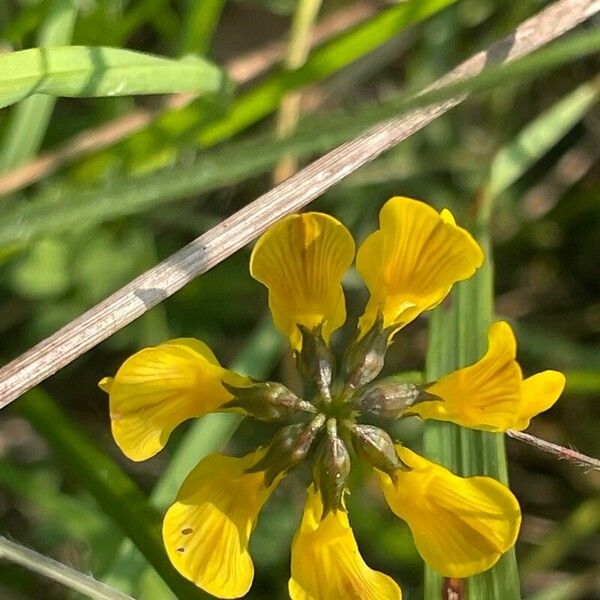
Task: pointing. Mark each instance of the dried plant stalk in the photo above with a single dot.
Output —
(214, 246)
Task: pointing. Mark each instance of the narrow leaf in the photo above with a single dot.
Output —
(52, 569)
(28, 123)
(92, 71)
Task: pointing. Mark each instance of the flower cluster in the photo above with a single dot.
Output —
(461, 526)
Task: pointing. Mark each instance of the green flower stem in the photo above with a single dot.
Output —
(52, 569)
(118, 496)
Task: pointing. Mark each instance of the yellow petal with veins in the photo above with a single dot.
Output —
(207, 530)
(491, 393)
(485, 395)
(461, 525)
(158, 388)
(326, 563)
(538, 393)
(301, 259)
(410, 263)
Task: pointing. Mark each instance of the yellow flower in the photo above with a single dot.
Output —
(302, 259)
(461, 525)
(158, 388)
(491, 394)
(326, 563)
(412, 261)
(207, 529)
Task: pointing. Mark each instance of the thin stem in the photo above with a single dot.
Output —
(52, 569)
(573, 456)
(289, 108)
(208, 250)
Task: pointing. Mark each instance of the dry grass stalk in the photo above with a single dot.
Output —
(208, 250)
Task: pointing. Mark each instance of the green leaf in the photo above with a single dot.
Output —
(28, 123)
(92, 71)
(532, 142)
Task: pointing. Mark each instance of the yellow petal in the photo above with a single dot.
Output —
(207, 530)
(538, 393)
(461, 525)
(326, 563)
(301, 259)
(410, 263)
(485, 395)
(158, 388)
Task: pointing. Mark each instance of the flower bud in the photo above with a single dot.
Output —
(390, 399)
(316, 361)
(364, 358)
(331, 470)
(376, 446)
(287, 449)
(268, 401)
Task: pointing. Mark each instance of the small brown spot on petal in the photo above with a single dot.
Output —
(181, 549)
(187, 531)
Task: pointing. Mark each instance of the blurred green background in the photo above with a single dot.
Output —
(99, 218)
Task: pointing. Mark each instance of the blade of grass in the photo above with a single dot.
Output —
(29, 121)
(94, 71)
(115, 492)
(204, 436)
(327, 59)
(193, 120)
(221, 241)
(514, 159)
(199, 22)
(52, 569)
(56, 211)
(457, 338)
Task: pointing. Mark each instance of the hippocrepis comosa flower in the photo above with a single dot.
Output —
(461, 525)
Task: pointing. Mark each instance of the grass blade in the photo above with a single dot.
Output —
(457, 338)
(514, 159)
(68, 206)
(94, 71)
(28, 123)
(199, 23)
(52, 569)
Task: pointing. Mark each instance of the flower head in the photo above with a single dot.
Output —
(461, 525)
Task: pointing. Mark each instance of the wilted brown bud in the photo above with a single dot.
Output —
(364, 358)
(316, 361)
(377, 447)
(288, 448)
(269, 401)
(390, 399)
(331, 469)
